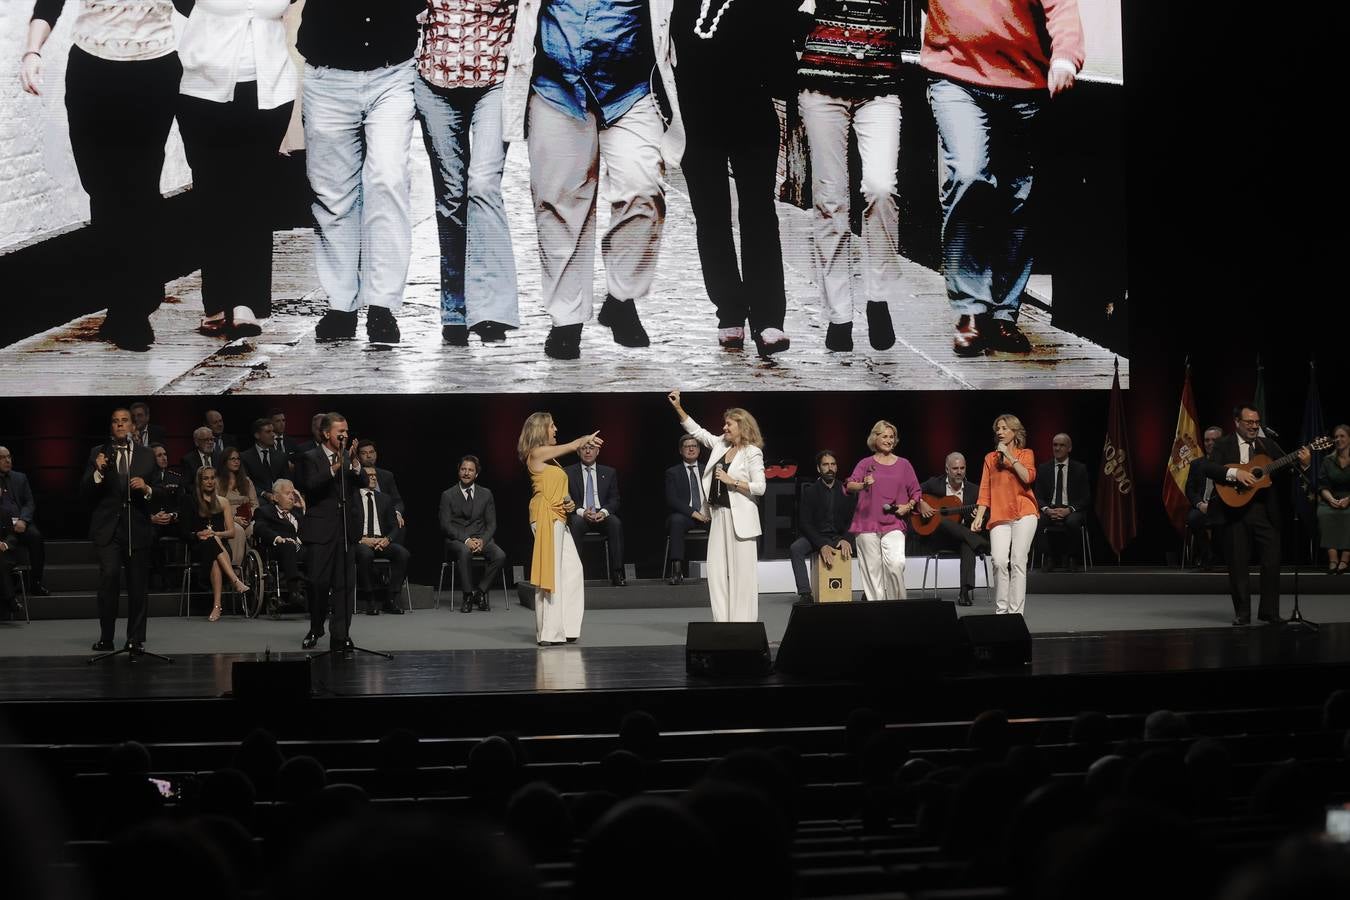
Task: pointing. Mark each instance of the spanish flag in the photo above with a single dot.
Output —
(1185, 450)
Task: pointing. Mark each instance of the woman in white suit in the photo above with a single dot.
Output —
(733, 478)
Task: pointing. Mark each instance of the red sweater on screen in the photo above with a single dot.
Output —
(1001, 43)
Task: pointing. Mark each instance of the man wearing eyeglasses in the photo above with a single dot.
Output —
(1255, 522)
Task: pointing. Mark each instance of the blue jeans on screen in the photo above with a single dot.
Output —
(462, 128)
(987, 154)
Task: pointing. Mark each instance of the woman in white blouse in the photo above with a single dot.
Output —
(733, 478)
(237, 92)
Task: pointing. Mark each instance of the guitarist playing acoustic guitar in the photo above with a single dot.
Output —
(1239, 465)
(944, 512)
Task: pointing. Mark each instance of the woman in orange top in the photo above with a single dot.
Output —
(1007, 498)
(555, 568)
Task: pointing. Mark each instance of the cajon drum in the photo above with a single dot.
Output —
(834, 585)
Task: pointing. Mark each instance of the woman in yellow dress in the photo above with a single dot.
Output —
(555, 567)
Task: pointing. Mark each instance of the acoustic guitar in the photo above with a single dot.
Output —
(949, 508)
(1261, 466)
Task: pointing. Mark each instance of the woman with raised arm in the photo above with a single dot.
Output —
(888, 491)
(555, 567)
(206, 519)
(732, 480)
(1008, 498)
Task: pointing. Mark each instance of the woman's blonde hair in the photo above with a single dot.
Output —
(746, 422)
(1018, 429)
(534, 433)
(202, 508)
(876, 432)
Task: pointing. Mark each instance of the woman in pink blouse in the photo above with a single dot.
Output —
(888, 490)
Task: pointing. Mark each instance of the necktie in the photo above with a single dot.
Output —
(695, 495)
(468, 494)
(267, 459)
(590, 488)
(206, 460)
(123, 465)
(370, 514)
(1059, 484)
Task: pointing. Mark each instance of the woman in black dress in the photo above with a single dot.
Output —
(207, 521)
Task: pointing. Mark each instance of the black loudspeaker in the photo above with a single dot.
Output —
(998, 641)
(873, 640)
(271, 681)
(727, 649)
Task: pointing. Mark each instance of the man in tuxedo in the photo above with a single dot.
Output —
(216, 422)
(1063, 493)
(166, 489)
(264, 462)
(684, 499)
(595, 490)
(468, 516)
(204, 453)
(957, 535)
(321, 473)
(377, 542)
(17, 509)
(823, 520)
(1257, 520)
(145, 432)
(1204, 520)
(116, 483)
(368, 456)
(276, 529)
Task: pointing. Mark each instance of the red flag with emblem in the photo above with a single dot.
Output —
(1115, 479)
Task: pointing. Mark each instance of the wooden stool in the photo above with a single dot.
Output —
(832, 585)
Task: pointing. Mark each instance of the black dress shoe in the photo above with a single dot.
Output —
(381, 326)
(490, 332)
(127, 332)
(480, 598)
(839, 337)
(970, 337)
(1242, 620)
(310, 640)
(391, 609)
(39, 590)
(102, 646)
(1008, 338)
(1272, 620)
(621, 317)
(676, 572)
(466, 605)
(880, 330)
(963, 599)
(336, 325)
(563, 342)
(617, 579)
(455, 335)
(372, 610)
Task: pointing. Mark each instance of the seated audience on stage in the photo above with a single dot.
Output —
(887, 491)
(957, 535)
(236, 487)
(282, 441)
(595, 490)
(684, 499)
(1333, 513)
(264, 462)
(276, 531)
(368, 456)
(468, 517)
(1204, 519)
(146, 433)
(165, 497)
(823, 521)
(1062, 493)
(206, 520)
(216, 422)
(204, 453)
(17, 509)
(378, 525)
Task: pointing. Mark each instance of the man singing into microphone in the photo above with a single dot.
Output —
(116, 484)
(321, 475)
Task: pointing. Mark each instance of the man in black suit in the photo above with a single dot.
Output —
(1257, 520)
(17, 509)
(117, 485)
(276, 529)
(949, 534)
(321, 472)
(316, 433)
(368, 455)
(1204, 520)
(824, 517)
(263, 462)
(145, 432)
(1063, 493)
(684, 499)
(204, 453)
(468, 517)
(377, 542)
(283, 441)
(595, 490)
(220, 440)
(166, 489)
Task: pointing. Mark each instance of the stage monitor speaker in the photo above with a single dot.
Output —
(270, 681)
(727, 650)
(998, 641)
(873, 640)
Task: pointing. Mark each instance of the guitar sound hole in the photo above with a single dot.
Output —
(1259, 473)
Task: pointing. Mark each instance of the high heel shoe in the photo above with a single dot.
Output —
(241, 587)
(215, 614)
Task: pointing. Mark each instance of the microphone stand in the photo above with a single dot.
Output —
(1296, 623)
(348, 563)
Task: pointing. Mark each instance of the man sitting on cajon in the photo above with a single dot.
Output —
(825, 513)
